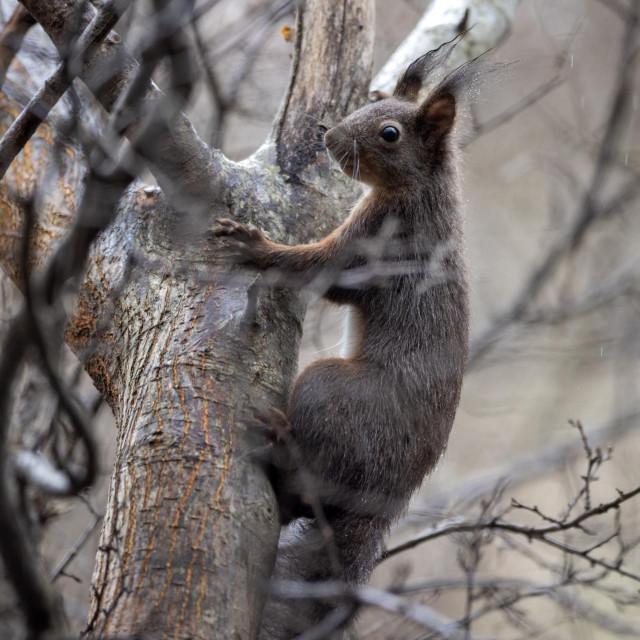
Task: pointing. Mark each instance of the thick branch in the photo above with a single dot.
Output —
(188, 170)
(57, 207)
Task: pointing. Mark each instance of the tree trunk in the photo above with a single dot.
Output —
(172, 337)
(191, 525)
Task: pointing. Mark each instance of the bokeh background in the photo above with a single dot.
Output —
(573, 354)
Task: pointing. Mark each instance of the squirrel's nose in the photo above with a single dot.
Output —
(330, 138)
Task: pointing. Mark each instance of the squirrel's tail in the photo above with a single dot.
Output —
(309, 554)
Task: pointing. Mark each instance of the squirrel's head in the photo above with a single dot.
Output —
(400, 139)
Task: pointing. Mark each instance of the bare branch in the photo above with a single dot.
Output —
(559, 592)
(423, 615)
(11, 38)
(39, 107)
(253, 42)
(588, 212)
(462, 525)
(77, 546)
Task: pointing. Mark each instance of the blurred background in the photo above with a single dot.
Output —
(555, 331)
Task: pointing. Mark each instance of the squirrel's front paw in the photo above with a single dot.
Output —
(247, 240)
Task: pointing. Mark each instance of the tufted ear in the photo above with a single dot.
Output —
(437, 114)
(410, 82)
(378, 94)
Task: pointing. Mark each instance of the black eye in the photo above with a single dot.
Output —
(389, 134)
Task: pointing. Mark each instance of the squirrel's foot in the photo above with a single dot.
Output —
(246, 240)
(239, 232)
(273, 424)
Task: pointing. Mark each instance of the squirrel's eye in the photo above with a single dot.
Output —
(389, 134)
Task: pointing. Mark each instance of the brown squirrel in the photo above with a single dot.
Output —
(361, 432)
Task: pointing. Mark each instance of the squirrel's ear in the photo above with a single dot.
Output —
(437, 114)
(410, 82)
(378, 95)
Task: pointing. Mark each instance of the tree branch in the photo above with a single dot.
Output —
(330, 78)
(423, 615)
(460, 525)
(191, 173)
(39, 107)
(11, 38)
(490, 22)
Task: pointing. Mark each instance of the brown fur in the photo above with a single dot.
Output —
(369, 427)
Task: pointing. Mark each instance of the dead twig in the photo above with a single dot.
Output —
(39, 107)
(589, 210)
(11, 38)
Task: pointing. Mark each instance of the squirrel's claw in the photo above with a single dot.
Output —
(271, 423)
(226, 227)
(244, 241)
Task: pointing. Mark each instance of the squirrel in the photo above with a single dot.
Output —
(361, 432)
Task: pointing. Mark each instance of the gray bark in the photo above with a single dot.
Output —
(191, 525)
(162, 326)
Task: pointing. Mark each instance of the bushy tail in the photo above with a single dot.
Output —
(309, 554)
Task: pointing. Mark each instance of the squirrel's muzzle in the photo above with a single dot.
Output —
(333, 141)
(330, 138)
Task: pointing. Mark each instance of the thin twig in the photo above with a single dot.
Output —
(77, 546)
(588, 212)
(462, 525)
(39, 107)
(11, 38)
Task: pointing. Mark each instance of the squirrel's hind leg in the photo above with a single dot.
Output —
(271, 423)
(309, 555)
(281, 461)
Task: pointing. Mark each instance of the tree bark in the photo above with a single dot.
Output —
(167, 331)
(191, 525)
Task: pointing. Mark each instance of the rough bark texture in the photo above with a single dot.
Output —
(191, 525)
